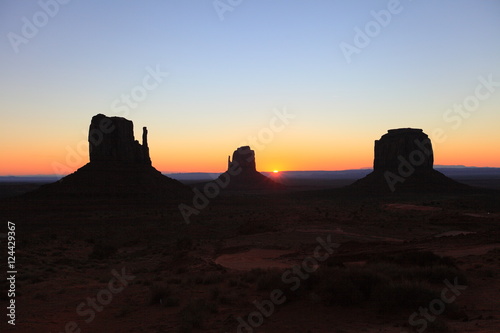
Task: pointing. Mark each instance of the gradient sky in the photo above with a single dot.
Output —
(230, 72)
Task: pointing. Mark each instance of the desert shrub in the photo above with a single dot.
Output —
(50, 269)
(181, 270)
(367, 280)
(488, 273)
(391, 270)
(103, 278)
(206, 279)
(198, 279)
(171, 301)
(184, 243)
(214, 293)
(194, 313)
(102, 251)
(233, 282)
(140, 270)
(437, 274)
(174, 280)
(40, 296)
(387, 286)
(124, 311)
(252, 275)
(32, 277)
(403, 295)
(158, 294)
(180, 256)
(415, 258)
(438, 325)
(223, 296)
(335, 287)
(67, 262)
(432, 274)
(253, 227)
(211, 278)
(270, 280)
(231, 298)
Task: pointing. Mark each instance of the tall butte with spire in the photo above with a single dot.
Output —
(404, 161)
(111, 139)
(242, 172)
(119, 167)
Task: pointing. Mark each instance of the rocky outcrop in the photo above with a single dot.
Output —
(408, 144)
(119, 168)
(243, 157)
(242, 173)
(111, 139)
(404, 162)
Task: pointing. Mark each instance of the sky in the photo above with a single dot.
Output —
(309, 85)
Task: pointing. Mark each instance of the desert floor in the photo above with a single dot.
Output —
(385, 258)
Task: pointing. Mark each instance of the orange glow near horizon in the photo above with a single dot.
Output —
(31, 169)
(44, 166)
(295, 156)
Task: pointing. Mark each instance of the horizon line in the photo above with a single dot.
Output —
(269, 171)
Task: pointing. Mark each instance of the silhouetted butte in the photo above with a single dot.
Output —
(242, 173)
(119, 167)
(404, 161)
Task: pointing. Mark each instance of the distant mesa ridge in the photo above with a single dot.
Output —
(404, 161)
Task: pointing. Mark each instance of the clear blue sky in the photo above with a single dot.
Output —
(227, 77)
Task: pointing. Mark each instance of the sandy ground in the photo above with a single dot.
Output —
(211, 259)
